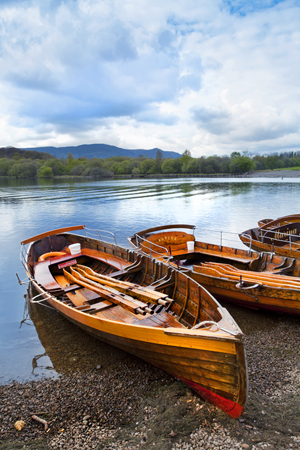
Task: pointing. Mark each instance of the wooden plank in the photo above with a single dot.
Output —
(51, 233)
(105, 304)
(119, 314)
(160, 319)
(108, 258)
(43, 276)
(77, 298)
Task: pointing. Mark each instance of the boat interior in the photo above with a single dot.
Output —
(223, 262)
(113, 283)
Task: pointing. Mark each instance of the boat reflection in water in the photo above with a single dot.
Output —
(67, 348)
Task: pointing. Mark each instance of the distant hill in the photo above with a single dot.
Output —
(101, 151)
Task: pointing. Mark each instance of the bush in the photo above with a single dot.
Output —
(45, 172)
(24, 169)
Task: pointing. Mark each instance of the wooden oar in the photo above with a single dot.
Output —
(246, 276)
(114, 297)
(274, 275)
(134, 290)
(227, 268)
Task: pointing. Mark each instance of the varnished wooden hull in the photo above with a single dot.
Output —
(211, 360)
(259, 246)
(279, 300)
(280, 236)
(265, 293)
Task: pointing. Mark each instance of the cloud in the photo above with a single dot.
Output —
(213, 121)
(213, 77)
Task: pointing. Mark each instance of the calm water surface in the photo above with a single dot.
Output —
(44, 344)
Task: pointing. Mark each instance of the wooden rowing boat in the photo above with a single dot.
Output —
(255, 280)
(142, 306)
(280, 236)
(170, 243)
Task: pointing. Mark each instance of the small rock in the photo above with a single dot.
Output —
(19, 425)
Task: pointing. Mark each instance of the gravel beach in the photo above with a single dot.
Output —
(104, 398)
(274, 174)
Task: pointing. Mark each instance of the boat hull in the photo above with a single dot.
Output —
(214, 368)
(278, 300)
(259, 246)
(280, 236)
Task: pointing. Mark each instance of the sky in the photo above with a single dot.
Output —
(212, 77)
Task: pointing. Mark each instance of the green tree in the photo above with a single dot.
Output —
(97, 172)
(58, 168)
(5, 166)
(193, 166)
(272, 162)
(148, 166)
(78, 170)
(158, 160)
(241, 164)
(45, 172)
(171, 166)
(24, 169)
(185, 160)
(234, 155)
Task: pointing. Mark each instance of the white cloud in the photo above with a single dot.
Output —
(213, 77)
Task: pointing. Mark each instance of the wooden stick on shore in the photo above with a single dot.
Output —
(38, 419)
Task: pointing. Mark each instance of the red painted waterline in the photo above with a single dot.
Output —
(231, 408)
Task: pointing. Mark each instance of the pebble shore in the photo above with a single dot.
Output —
(136, 405)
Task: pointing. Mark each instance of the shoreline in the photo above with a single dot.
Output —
(276, 173)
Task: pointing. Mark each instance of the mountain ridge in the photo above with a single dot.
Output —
(101, 151)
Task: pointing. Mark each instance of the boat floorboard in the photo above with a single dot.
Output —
(161, 320)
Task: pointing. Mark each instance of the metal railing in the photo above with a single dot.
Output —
(283, 238)
(286, 239)
(163, 254)
(215, 237)
(102, 234)
(219, 237)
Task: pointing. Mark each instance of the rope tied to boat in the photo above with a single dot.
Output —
(34, 300)
(205, 324)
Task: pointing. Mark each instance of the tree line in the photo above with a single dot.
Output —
(31, 164)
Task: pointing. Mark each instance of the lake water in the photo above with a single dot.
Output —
(44, 344)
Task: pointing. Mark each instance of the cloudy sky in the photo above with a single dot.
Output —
(211, 76)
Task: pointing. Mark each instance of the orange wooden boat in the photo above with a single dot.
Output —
(280, 236)
(255, 280)
(177, 242)
(144, 307)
